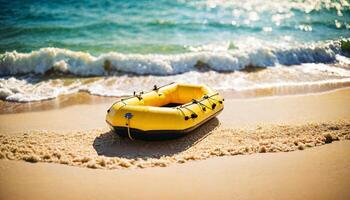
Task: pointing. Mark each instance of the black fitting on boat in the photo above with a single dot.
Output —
(213, 105)
(205, 97)
(108, 110)
(204, 109)
(138, 96)
(194, 115)
(194, 101)
(155, 87)
(220, 102)
(186, 118)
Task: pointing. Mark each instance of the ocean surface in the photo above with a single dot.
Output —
(112, 48)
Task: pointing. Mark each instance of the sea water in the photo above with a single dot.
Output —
(112, 48)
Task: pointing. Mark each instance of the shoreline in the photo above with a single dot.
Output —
(84, 98)
(82, 112)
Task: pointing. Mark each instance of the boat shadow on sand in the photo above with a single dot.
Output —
(111, 145)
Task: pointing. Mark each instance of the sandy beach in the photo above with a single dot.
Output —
(70, 148)
(261, 87)
(316, 173)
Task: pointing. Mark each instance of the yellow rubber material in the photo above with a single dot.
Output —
(198, 102)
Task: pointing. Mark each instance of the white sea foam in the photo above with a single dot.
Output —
(291, 68)
(279, 80)
(55, 60)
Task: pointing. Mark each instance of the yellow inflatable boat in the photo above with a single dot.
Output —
(165, 112)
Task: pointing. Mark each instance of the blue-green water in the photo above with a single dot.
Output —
(51, 48)
(139, 26)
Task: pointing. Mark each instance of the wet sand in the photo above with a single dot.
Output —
(75, 138)
(86, 113)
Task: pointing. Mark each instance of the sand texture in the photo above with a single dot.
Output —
(69, 148)
(103, 149)
(77, 135)
(317, 173)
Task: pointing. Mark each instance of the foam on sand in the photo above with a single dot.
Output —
(279, 80)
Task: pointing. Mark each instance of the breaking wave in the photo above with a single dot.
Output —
(64, 61)
(287, 69)
(281, 80)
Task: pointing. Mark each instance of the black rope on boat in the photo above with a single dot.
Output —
(200, 104)
(204, 98)
(126, 98)
(138, 96)
(166, 85)
(203, 106)
(212, 104)
(155, 88)
(121, 100)
(193, 115)
(182, 112)
(210, 97)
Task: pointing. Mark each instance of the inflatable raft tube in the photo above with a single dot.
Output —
(166, 112)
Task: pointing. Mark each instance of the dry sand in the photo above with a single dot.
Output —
(76, 135)
(102, 149)
(316, 173)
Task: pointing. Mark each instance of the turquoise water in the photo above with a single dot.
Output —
(112, 48)
(140, 26)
